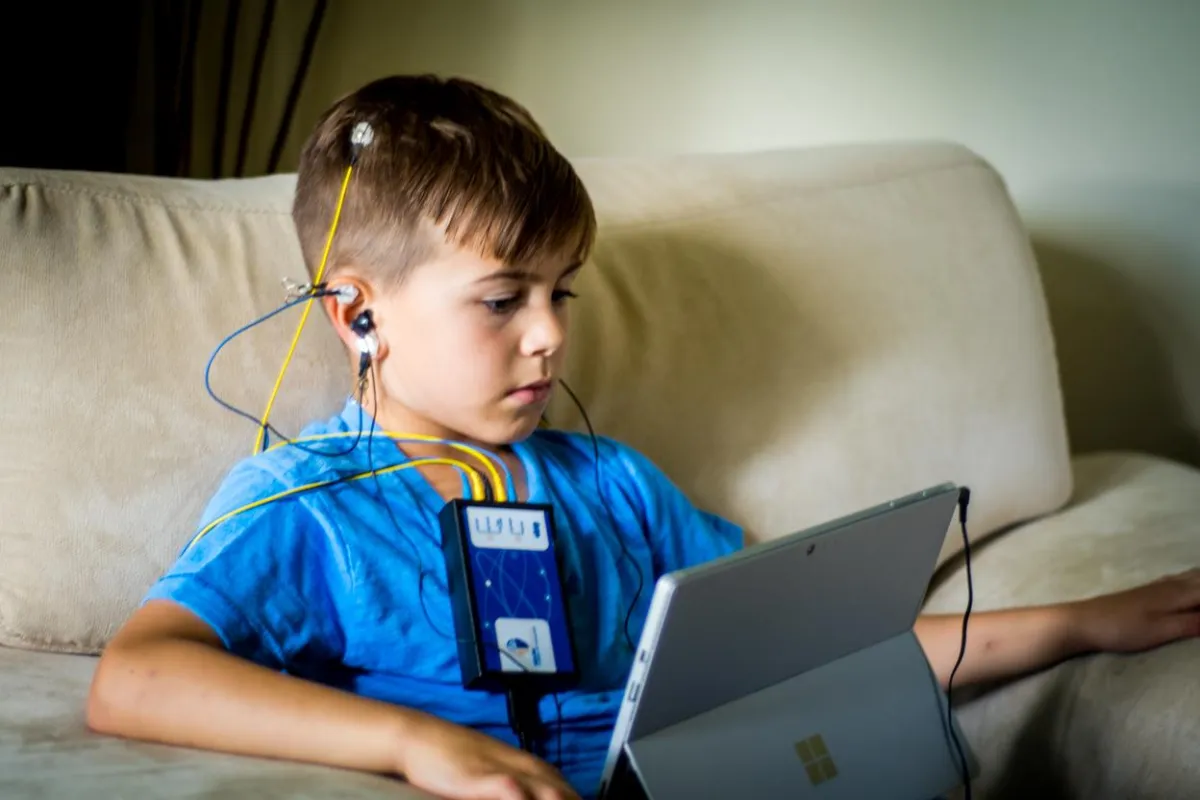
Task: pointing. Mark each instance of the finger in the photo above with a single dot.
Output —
(536, 767)
(522, 759)
(555, 781)
(554, 793)
(1187, 595)
(543, 776)
(499, 787)
(1183, 626)
(559, 788)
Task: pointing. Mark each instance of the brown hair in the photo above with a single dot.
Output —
(450, 161)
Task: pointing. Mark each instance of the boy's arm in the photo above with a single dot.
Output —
(1005, 644)
(999, 643)
(167, 678)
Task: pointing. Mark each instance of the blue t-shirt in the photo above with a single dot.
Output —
(326, 586)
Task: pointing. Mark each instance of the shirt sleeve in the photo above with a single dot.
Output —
(680, 534)
(260, 579)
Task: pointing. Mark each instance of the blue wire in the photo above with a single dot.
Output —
(263, 425)
(509, 482)
(230, 338)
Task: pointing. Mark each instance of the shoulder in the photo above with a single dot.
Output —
(324, 447)
(674, 524)
(321, 454)
(582, 451)
(613, 466)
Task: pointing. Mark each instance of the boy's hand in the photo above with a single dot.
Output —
(456, 762)
(1144, 617)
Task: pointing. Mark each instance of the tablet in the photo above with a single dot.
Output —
(790, 668)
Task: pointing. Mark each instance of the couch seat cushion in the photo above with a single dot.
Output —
(46, 750)
(1099, 726)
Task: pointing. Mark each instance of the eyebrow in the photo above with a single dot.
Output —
(525, 275)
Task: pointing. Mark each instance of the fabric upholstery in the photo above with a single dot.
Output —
(120, 287)
(1103, 726)
(46, 751)
(790, 335)
(794, 336)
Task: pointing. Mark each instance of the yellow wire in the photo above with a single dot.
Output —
(476, 489)
(337, 214)
(499, 488)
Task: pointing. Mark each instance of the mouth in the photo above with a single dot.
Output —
(532, 393)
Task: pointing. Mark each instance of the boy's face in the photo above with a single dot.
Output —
(470, 347)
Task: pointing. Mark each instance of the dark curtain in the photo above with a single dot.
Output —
(162, 87)
(67, 94)
(174, 27)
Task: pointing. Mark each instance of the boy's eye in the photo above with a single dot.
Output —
(502, 305)
(510, 303)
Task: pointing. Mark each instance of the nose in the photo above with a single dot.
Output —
(545, 333)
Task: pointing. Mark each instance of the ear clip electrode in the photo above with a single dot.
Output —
(345, 293)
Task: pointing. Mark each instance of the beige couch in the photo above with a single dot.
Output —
(791, 335)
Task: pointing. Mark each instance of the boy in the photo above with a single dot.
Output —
(317, 627)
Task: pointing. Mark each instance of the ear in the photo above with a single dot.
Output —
(343, 308)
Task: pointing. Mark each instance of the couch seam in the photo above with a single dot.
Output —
(57, 646)
(974, 162)
(139, 199)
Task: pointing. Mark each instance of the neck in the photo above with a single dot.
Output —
(395, 418)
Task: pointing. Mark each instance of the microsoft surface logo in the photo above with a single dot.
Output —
(817, 761)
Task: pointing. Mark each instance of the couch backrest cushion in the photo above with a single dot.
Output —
(791, 336)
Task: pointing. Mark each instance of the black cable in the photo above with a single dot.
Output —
(523, 716)
(558, 724)
(522, 707)
(387, 507)
(523, 711)
(526, 722)
(600, 492)
(964, 498)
